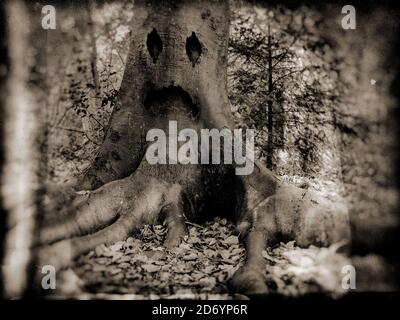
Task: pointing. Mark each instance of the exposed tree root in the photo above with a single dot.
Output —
(290, 214)
(115, 211)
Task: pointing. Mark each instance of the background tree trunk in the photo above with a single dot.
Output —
(4, 64)
(24, 163)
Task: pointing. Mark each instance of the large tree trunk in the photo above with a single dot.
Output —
(175, 45)
(176, 70)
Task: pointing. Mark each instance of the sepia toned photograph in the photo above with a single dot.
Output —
(224, 150)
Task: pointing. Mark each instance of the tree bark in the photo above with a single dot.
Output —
(204, 80)
(24, 165)
(5, 65)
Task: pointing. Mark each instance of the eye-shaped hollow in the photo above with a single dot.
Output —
(154, 44)
(193, 48)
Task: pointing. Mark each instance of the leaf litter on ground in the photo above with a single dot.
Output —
(199, 268)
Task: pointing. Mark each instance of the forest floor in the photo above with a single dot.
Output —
(200, 268)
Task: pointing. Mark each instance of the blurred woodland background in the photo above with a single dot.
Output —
(321, 99)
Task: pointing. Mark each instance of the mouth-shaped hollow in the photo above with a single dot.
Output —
(170, 99)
